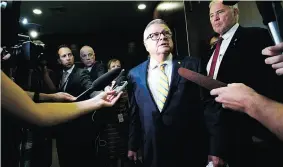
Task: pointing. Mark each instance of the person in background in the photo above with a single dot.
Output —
(237, 58)
(75, 138)
(96, 69)
(114, 131)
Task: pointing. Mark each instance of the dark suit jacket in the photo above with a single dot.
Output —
(97, 70)
(231, 135)
(175, 136)
(75, 138)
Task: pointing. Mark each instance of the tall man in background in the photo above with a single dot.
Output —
(236, 57)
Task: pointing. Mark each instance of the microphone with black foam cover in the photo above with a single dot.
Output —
(101, 82)
(268, 16)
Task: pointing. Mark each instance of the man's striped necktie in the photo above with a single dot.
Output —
(163, 87)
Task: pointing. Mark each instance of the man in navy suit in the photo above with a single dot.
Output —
(170, 131)
(236, 58)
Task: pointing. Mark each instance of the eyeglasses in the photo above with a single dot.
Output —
(156, 36)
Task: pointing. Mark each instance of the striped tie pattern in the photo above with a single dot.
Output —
(163, 87)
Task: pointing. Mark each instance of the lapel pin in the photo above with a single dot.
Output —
(235, 41)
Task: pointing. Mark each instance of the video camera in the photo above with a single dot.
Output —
(22, 49)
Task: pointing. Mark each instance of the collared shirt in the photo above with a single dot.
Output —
(154, 74)
(67, 76)
(227, 37)
(89, 68)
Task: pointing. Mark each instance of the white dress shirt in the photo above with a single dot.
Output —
(154, 74)
(67, 77)
(89, 68)
(227, 37)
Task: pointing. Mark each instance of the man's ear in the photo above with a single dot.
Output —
(236, 12)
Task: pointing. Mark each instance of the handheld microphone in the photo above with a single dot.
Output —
(102, 81)
(121, 77)
(268, 16)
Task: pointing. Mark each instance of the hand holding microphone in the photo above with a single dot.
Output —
(119, 83)
(269, 18)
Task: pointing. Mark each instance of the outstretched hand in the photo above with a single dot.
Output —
(235, 96)
(107, 99)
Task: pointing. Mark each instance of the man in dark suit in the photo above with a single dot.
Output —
(75, 140)
(236, 57)
(95, 68)
(166, 118)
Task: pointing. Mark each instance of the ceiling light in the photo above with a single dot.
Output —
(141, 6)
(33, 34)
(3, 5)
(25, 21)
(37, 11)
(169, 5)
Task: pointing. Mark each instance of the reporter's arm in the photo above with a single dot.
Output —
(268, 112)
(16, 101)
(58, 97)
(239, 97)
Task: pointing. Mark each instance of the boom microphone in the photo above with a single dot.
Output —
(104, 80)
(268, 16)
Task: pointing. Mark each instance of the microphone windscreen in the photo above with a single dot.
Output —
(105, 79)
(266, 11)
(229, 3)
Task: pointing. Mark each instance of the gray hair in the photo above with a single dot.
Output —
(155, 21)
(231, 7)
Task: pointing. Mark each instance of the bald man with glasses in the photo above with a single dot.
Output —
(96, 69)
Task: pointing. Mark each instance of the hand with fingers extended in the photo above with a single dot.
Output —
(107, 99)
(235, 96)
(276, 59)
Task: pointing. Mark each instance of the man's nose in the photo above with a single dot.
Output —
(163, 37)
(215, 17)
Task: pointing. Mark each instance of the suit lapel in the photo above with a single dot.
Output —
(229, 55)
(70, 79)
(175, 78)
(143, 77)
